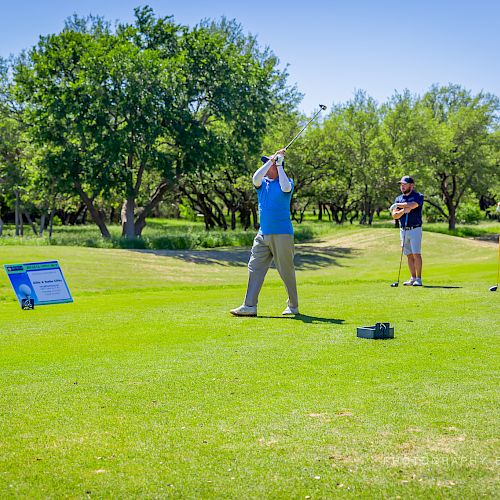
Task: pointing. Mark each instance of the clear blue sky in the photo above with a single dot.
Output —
(331, 47)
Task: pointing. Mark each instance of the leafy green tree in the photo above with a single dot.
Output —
(402, 133)
(348, 165)
(52, 85)
(236, 95)
(456, 149)
(153, 100)
(12, 148)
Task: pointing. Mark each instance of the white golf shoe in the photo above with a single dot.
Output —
(244, 311)
(410, 282)
(417, 282)
(290, 311)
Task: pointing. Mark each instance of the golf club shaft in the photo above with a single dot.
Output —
(498, 265)
(402, 247)
(304, 127)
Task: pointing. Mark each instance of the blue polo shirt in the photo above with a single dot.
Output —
(415, 216)
(274, 207)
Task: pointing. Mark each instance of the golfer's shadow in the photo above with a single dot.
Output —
(307, 319)
(438, 286)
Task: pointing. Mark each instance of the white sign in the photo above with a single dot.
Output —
(49, 285)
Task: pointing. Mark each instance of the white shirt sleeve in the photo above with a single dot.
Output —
(260, 173)
(284, 181)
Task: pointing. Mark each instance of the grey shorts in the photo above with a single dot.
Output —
(412, 240)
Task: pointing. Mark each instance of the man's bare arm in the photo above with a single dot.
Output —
(397, 213)
(411, 205)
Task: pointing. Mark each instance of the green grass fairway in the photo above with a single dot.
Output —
(147, 387)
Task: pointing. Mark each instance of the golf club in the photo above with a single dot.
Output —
(494, 288)
(322, 107)
(396, 283)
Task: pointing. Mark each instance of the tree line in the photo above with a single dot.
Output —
(116, 124)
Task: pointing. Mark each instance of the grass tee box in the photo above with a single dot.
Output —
(148, 388)
(378, 331)
(42, 283)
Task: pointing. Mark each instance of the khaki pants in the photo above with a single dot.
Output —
(267, 247)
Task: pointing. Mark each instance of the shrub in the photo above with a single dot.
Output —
(432, 214)
(469, 213)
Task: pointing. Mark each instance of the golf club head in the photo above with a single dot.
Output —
(322, 106)
(395, 285)
(493, 288)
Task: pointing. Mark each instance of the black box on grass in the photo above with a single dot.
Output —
(378, 331)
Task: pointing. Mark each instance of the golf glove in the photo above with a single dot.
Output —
(279, 160)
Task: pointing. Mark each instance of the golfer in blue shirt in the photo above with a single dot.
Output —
(410, 202)
(275, 238)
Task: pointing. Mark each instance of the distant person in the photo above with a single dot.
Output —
(410, 202)
(275, 238)
(497, 211)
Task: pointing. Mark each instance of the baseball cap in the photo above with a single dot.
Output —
(406, 179)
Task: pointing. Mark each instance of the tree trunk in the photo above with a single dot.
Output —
(51, 222)
(63, 215)
(127, 215)
(302, 212)
(451, 216)
(325, 209)
(219, 215)
(245, 217)
(233, 219)
(73, 217)
(255, 218)
(16, 214)
(93, 211)
(155, 200)
(42, 224)
(343, 215)
(84, 216)
(129, 206)
(31, 223)
(1, 226)
(335, 213)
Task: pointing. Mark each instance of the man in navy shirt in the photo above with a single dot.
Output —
(410, 203)
(275, 238)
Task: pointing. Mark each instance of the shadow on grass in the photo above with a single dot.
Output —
(307, 319)
(306, 257)
(439, 286)
(313, 257)
(235, 258)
